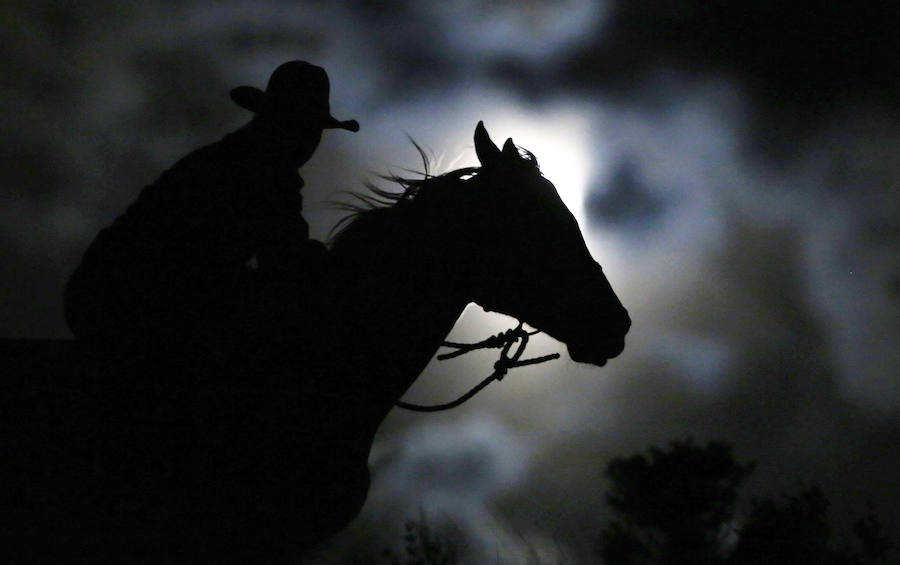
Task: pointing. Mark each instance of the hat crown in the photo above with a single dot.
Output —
(298, 86)
(297, 93)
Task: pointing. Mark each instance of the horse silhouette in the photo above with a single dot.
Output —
(143, 458)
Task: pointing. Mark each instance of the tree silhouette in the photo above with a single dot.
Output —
(679, 506)
(791, 529)
(672, 506)
(874, 544)
(794, 528)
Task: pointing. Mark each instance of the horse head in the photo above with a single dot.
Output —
(532, 261)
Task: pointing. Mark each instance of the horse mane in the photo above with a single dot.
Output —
(379, 205)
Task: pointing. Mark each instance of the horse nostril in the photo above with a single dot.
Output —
(626, 321)
(617, 347)
(597, 352)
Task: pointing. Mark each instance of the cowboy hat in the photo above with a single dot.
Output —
(297, 91)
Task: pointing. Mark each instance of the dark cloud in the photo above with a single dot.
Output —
(183, 89)
(30, 176)
(433, 45)
(790, 57)
(799, 66)
(624, 201)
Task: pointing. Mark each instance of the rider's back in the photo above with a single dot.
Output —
(182, 248)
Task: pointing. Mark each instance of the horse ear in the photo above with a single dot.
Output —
(509, 149)
(485, 149)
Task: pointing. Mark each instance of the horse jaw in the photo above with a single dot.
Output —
(596, 342)
(588, 318)
(604, 327)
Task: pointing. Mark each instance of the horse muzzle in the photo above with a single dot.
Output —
(596, 324)
(593, 339)
(598, 352)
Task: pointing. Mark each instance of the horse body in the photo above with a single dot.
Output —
(123, 458)
(265, 466)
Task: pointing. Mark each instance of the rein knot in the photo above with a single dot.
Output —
(500, 369)
(504, 341)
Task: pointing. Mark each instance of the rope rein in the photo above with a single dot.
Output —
(503, 341)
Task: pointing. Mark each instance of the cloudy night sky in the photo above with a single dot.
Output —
(734, 168)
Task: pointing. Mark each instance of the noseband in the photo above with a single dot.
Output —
(503, 341)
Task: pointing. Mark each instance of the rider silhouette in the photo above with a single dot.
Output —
(216, 245)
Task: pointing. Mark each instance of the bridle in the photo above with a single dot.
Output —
(503, 341)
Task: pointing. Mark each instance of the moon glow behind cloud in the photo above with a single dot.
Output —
(559, 138)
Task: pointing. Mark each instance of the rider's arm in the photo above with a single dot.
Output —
(283, 245)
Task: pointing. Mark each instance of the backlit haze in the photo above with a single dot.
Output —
(738, 185)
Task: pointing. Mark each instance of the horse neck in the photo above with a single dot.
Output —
(398, 300)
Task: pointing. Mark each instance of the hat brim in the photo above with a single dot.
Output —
(332, 123)
(253, 99)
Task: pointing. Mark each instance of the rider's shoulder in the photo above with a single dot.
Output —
(212, 158)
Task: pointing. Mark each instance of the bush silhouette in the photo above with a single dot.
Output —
(672, 505)
(679, 506)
